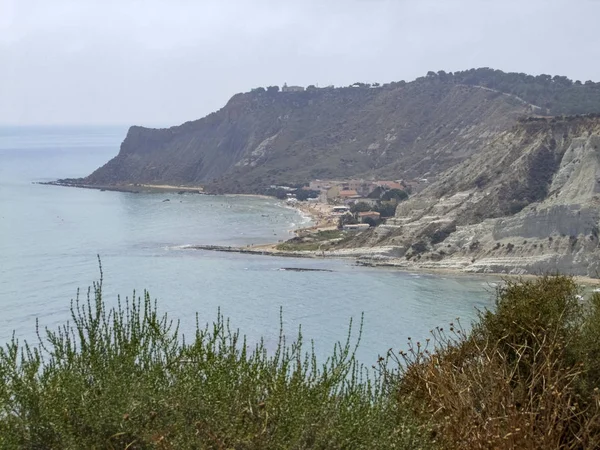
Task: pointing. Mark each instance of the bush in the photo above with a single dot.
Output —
(394, 194)
(522, 379)
(360, 207)
(124, 378)
(526, 377)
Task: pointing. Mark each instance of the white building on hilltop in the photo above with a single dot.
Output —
(287, 88)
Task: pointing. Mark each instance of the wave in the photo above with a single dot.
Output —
(178, 247)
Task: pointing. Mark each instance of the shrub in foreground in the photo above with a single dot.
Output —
(526, 377)
(124, 378)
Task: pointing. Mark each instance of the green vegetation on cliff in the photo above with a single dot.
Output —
(556, 95)
(526, 377)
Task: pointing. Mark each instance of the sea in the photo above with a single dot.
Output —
(51, 240)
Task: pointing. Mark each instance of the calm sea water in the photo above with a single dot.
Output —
(50, 238)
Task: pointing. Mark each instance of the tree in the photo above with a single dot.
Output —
(360, 207)
(376, 193)
(347, 219)
(443, 75)
(394, 194)
(386, 209)
(370, 221)
(273, 89)
(303, 194)
(562, 80)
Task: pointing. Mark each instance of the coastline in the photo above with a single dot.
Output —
(375, 257)
(322, 219)
(130, 188)
(271, 250)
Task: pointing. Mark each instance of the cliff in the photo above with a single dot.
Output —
(528, 203)
(263, 138)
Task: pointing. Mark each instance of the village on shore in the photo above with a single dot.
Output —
(350, 205)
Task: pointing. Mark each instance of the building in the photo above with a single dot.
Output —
(287, 88)
(361, 186)
(415, 186)
(357, 226)
(369, 201)
(320, 185)
(347, 194)
(389, 184)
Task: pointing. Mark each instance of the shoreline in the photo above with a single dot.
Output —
(321, 216)
(148, 188)
(131, 188)
(317, 212)
(270, 250)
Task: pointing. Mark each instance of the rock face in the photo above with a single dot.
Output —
(528, 203)
(263, 138)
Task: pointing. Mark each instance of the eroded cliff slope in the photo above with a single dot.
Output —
(528, 203)
(264, 138)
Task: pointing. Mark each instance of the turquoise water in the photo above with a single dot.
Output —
(50, 236)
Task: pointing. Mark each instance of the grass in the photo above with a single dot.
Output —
(526, 376)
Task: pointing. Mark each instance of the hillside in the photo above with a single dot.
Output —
(528, 203)
(264, 138)
(397, 130)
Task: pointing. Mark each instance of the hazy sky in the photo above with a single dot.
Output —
(163, 62)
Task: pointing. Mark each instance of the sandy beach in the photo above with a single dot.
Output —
(320, 213)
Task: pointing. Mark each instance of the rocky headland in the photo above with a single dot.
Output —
(515, 184)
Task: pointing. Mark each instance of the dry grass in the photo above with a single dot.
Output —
(518, 381)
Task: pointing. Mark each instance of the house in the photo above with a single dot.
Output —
(361, 186)
(415, 186)
(347, 194)
(369, 201)
(357, 226)
(389, 184)
(320, 185)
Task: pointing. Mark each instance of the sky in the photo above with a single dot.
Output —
(164, 62)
